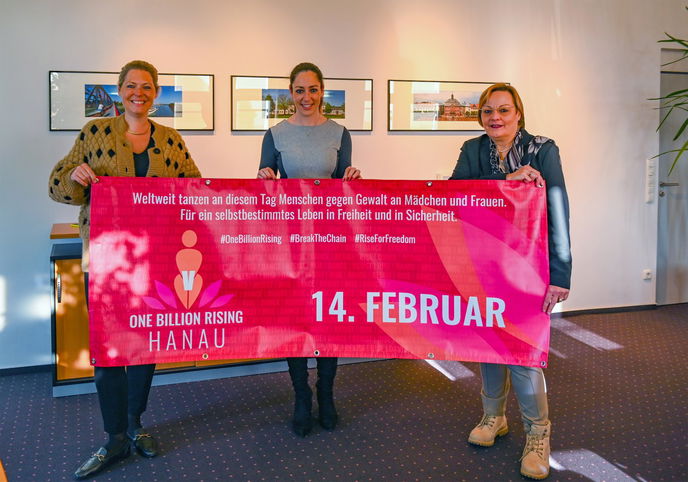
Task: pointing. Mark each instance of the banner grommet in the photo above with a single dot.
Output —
(431, 355)
(316, 353)
(317, 182)
(204, 356)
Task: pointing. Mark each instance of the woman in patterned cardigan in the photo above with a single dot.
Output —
(127, 145)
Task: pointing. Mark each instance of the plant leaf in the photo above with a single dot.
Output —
(165, 294)
(663, 119)
(676, 92)
(209, 293)
(681, 129)
(678, 155)
(221, 301)
(153, 303)
(673, 39)
(685, 55)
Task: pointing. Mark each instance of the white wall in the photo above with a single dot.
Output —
(584, 68)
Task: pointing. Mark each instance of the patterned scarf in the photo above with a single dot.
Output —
(520, 154)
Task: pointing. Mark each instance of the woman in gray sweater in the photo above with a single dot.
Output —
(308, 145)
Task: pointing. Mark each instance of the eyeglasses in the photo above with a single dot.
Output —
(502, 109)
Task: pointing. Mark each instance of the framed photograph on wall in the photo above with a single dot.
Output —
(259, 103)
(186, 101)
(423, 105)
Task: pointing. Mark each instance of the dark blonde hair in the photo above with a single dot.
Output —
(138, 65)
(306, 67)
(518, 103)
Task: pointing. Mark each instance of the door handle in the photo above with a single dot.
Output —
(668, 184)
(59, 287)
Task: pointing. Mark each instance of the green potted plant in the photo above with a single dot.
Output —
(676, 101)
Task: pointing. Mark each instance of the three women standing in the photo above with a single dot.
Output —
(127, 146)
(308, 145)
(508, 152)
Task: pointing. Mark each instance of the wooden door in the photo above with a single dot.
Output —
(71, 321)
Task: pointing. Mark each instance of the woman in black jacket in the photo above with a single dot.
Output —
(508, 152)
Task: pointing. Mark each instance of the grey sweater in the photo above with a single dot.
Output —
(308, 152)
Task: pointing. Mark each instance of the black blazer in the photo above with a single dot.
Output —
(474, 163)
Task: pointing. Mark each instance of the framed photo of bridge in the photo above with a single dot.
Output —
(422, 105)
(259, 103)
(185, 101)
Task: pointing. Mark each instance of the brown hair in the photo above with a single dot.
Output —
(138, 65)
(518, 103)
(306, 67)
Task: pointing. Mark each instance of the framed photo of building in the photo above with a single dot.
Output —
(185, 102)
(259, 103)
(423, 105)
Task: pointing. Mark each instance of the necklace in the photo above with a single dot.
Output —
(139, 133)
(506, 148)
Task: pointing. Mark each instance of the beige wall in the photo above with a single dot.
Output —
(585, 69)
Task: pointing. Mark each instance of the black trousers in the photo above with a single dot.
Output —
(122, 391)
(123, 394)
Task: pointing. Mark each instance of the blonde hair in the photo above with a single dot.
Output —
(518, 103)
(138, 65)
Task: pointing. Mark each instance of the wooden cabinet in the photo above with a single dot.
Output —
(69, 316)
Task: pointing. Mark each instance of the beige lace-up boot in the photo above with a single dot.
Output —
(490, 427)
(535, 458)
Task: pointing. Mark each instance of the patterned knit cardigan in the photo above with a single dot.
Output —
(102, 144)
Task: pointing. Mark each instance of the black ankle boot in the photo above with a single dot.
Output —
(327, 413)
(302, 422)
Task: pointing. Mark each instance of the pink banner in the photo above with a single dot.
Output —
(207, 269)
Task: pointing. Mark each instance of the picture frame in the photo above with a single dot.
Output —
(258, 103)
(186, 101)
(428, 105)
